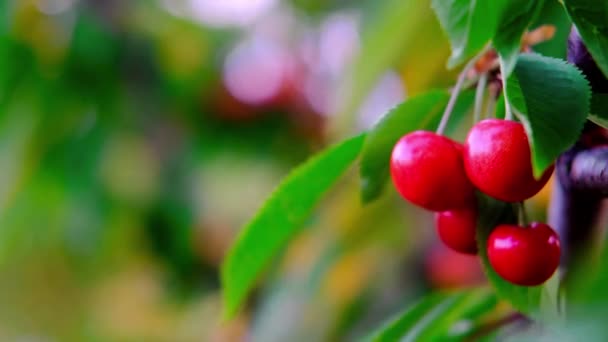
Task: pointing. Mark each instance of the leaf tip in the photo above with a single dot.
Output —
(231, 296)
(231, 301)
(539, 165)
(228, 307)
(538, 171)
(228, 312)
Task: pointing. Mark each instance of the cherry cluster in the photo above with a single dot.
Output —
(442, 175)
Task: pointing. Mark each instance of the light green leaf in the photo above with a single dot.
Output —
(404, 322)
(432, 318)
(420, 112)
(551, 99)
(514, 19)
(591, 20)
(469, 24)
(587, 298)
(587, 283)
(553, 13)
(280, 218)
(492, 213)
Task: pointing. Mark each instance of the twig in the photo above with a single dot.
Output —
(508, 112)
(456, 91)
(522, 216)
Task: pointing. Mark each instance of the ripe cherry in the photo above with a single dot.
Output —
(497, 161)
(456, 228)
(427, 170)
(526, 256)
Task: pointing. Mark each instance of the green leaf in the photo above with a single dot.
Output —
(280, 218)
(432, 318)
(492, 213)
(599, 109)
(514, 19)
(591, 20)
(469, 24)
(553, 13)
(587, 297)
(588, 281)
(551, 99)
(420, 112)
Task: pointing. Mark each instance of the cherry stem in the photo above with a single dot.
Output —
(490, 107)
(508, 112)
(470, 82)
(479, 92)
(522, 216)
(456, 90)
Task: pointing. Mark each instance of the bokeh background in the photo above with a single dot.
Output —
(137, 137)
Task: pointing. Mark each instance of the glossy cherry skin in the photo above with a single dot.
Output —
(526, 256)
(497, 161)
(456, 228)
(427, 170)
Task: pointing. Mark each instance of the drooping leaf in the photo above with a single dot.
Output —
(420, 112)
(515, 16)
(591, 20)
(469, 25)
(280, 218)
(432, 317)
(551, 99)
(492, 213)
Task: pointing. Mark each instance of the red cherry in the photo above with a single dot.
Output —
(524, 256)
(497, 160)
(456, 228)
(427, 170)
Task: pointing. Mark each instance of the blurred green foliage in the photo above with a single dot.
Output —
(108, 141)
(127, 166)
